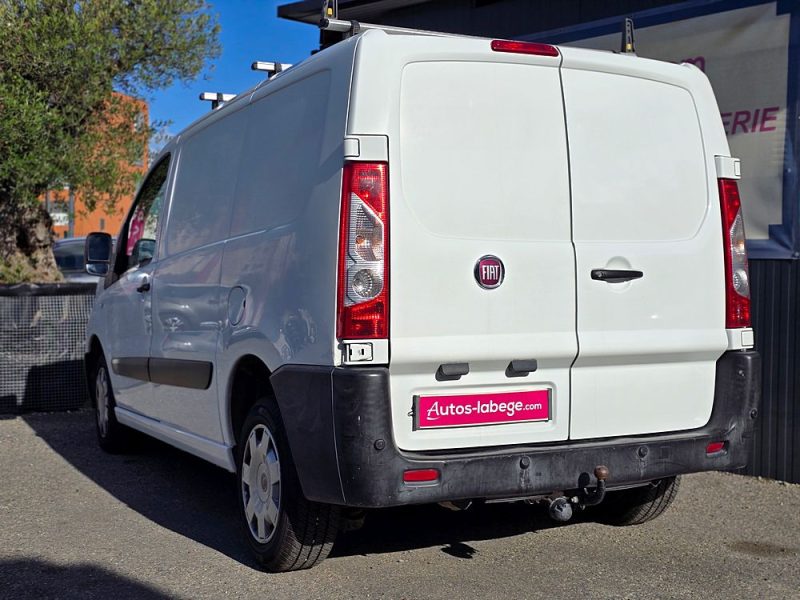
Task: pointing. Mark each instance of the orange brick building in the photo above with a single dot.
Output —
(71, 218)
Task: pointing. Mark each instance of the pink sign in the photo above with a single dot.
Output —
(135, 230)
(482, 409)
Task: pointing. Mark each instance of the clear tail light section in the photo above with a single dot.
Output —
(363, 277)
(737, 277)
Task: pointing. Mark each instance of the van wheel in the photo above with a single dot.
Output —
(639, 505)
(285, 531)
(113, 437)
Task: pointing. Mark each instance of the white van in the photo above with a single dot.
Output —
(419, 269)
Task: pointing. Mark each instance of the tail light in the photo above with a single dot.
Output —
(737, 278)
(363, 278)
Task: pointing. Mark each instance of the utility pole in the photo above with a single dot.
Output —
(71, 213)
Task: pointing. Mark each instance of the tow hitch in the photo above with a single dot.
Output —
(561, 508)
(593, 497)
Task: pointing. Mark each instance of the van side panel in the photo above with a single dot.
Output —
(278, 282)
(644, 199)
(187, 308)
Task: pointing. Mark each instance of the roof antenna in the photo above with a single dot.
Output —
(330, 10)
(217, 99)
(628, 45)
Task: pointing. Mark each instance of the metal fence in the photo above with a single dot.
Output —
(775, 288)
(42, 329)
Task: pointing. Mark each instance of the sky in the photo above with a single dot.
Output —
(250, 30)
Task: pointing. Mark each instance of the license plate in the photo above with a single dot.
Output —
(433, 412)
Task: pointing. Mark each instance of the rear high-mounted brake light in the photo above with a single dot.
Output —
(737, 279)
(524, 48)
(363, 278)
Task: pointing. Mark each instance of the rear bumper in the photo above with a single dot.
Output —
(339, 427)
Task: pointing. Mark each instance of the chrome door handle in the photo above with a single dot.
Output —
(615, 275)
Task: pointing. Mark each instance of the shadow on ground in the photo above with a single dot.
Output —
(58, 385)
(32, 578)
(407, 528)
(171, 488)
(196, 499)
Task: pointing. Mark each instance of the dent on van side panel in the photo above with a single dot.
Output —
(278, 282)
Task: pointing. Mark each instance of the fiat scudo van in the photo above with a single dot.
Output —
(436, 269)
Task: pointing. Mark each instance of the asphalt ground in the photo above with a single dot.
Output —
(158, 523)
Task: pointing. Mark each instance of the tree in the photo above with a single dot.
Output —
(61, 121)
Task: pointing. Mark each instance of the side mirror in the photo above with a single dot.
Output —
(99, 270)
(97, 252)
(143, 251)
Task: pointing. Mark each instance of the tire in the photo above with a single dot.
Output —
(113, 437)
(639, 505)
(285, 531)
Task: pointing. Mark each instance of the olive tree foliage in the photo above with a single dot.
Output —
(61, 120)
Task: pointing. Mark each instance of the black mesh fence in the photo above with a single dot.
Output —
(42, 330)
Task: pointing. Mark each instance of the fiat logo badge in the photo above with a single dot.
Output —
(489, 272)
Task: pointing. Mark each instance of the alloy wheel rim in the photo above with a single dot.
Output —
(101, 395)
(261, 484)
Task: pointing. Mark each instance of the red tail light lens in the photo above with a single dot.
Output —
(737, 277)
(363, 279)
(524, 48)
(715, 447)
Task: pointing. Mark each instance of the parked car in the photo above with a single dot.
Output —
(437, 269)
(69, 255)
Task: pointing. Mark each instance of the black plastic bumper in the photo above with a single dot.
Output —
(340, 432)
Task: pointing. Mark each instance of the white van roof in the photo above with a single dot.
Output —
(600, 60)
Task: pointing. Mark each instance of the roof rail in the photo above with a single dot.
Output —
(347, 29)
(333, 30)
(271, 68)
(217, 99)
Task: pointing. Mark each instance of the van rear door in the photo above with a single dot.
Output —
(647, 233)
(478, 168)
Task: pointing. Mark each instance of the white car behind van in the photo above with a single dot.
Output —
(419, 269)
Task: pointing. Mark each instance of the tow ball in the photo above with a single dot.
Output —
(561, 508)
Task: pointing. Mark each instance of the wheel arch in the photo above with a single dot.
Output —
(302, 396)
(94, 349)
(249, 381)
